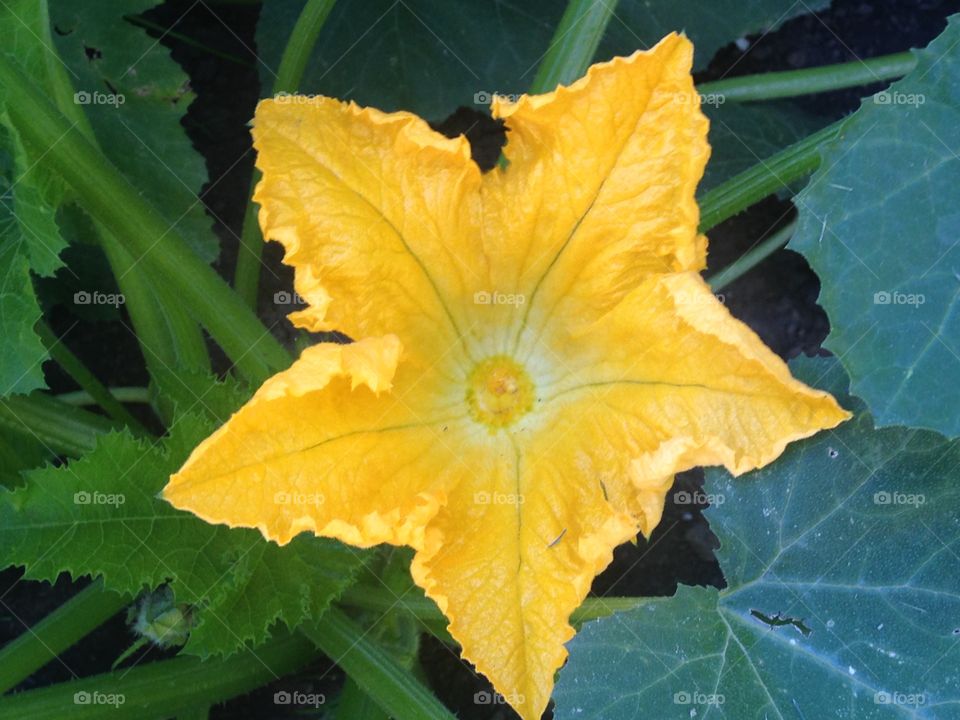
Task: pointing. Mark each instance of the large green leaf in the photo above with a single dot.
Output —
(842, 561)
(101, 515)
(431, 57)
(135, 96)
(880, 224)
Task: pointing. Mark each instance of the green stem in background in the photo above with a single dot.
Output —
(379, 675)
(87, 380)
(110, 198)
(791, 83)
(292, 66)
(750, 259)
(574, 43)
(64, 429)
(775, 173)
(121, 394)
(354, 703)
(162, 689)
(61, 629)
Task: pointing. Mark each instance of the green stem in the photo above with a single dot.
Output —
(767, 177)
(161, 689)
(87, 380)
(168, 337)
(790, 83)
(64, 429)
(574, 43)
(750, 259)
(389, 684)
(121, 394)
(292, 66)
(58, 631)
(354, 703)
(110, 198)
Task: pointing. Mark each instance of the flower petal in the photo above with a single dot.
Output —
(509, 560)
(319, 448)
(599, 191)
(678, 382)
(378, 216)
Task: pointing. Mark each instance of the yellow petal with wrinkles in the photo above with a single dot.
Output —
(599, 191)
(378, 216)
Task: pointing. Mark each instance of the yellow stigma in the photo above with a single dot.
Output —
(499, 392)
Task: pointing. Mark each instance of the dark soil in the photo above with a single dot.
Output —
(777, 299)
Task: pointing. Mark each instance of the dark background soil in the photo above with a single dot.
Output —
(777, 299)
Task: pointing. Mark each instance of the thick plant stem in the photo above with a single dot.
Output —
(389, 684)
(161, 689)
(87, 380)
(573, 44)
(110, 198)
(767, 177)
(121, 394)
(62, 428)
(58, 631)
(167, 335)
(791, 83)
(750, 259)
(292, 65)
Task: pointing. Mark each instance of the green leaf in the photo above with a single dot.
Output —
(135, 97)
(852, 536)
(430, 57)
(880, 225)
(101, 515)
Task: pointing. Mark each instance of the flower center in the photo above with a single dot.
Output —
(499, 392)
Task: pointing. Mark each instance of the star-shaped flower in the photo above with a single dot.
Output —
(537, 354)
